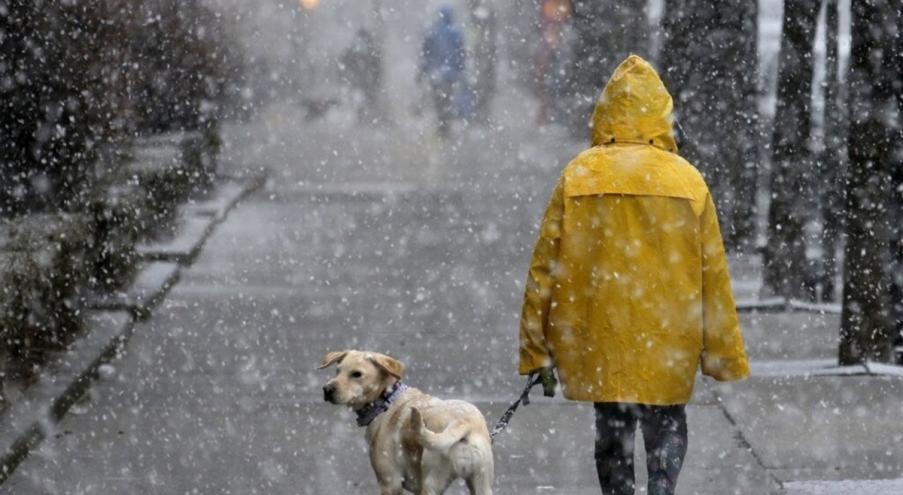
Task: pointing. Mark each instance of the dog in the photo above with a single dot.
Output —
(417, 442)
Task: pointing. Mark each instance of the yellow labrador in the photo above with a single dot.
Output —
(417, 442)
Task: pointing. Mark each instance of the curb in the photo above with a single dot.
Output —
(200, 219)
(111, 319)
(775, 484)
(159, 270)
(150, 286)
(782, 305)
(33, 418)
(185, 246)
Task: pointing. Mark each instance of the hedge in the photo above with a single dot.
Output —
(43, 266)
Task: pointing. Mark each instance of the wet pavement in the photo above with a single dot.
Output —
(218, 392)
(423, 256)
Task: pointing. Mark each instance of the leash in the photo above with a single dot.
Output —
(532, 381)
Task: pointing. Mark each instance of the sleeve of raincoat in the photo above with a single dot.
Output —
(534, 351)
(723, 355)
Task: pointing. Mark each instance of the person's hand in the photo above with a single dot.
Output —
(549, 383)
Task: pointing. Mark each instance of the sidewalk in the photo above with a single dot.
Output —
(812, 427)
(218, 391)
(809, 427)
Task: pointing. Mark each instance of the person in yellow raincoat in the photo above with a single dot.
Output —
(628, 291)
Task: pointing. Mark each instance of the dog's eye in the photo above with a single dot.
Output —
(356, 374)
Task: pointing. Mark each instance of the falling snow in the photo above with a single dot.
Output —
(200, 199)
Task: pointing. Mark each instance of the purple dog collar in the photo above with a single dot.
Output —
(366, 415)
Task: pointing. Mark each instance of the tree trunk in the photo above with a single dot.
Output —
(710, 63)
(787, 272)
(897, 83)
(605, 34)
(866, 323)
(742, 125)
(832, 162)
(897, 234)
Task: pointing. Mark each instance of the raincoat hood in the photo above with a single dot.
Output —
(634, 108)
(446, 16)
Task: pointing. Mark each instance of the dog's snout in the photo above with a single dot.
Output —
(328, 393)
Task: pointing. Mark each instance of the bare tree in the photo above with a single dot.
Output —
(897, 232)
(605, 34)
(58, 100)
(710, 59)
(866, 324)
(832, 160)
(787, 272)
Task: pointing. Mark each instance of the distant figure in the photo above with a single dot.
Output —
(363, 66)
(442, 61)
(485, 46)
(628, 290)
(550, 58)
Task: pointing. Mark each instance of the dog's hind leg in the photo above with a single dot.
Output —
(479, 486)
(481, 472)
(480, 482)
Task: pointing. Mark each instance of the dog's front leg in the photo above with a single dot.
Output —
(387, 473)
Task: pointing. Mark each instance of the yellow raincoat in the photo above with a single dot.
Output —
(628, 289)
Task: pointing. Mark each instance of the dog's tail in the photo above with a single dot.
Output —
(443, 441)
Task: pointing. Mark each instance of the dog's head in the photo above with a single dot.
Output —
(361, 377)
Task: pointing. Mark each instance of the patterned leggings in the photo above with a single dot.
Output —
(665, 438)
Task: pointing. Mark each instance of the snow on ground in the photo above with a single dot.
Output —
(846, 487)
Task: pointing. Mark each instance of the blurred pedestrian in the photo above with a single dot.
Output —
(442, 62)
(362, 64)
(550, 58)
(628, 290)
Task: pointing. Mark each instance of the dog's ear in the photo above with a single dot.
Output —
(331, 358)
(388, 364)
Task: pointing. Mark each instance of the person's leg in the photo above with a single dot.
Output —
(665, 438)
(615, 426)
(442, 93)
(436, 94)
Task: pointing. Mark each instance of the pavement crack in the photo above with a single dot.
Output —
(744, 443)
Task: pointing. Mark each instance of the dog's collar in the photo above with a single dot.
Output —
(368, 413)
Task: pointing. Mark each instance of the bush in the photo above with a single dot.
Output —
(64, 93)
(187, 63)
(165, 170)
(43, 269)
(79, 78)
(115, 228)
(59, 81)
(199, 154)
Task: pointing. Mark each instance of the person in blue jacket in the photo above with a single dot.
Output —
(442, 60)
